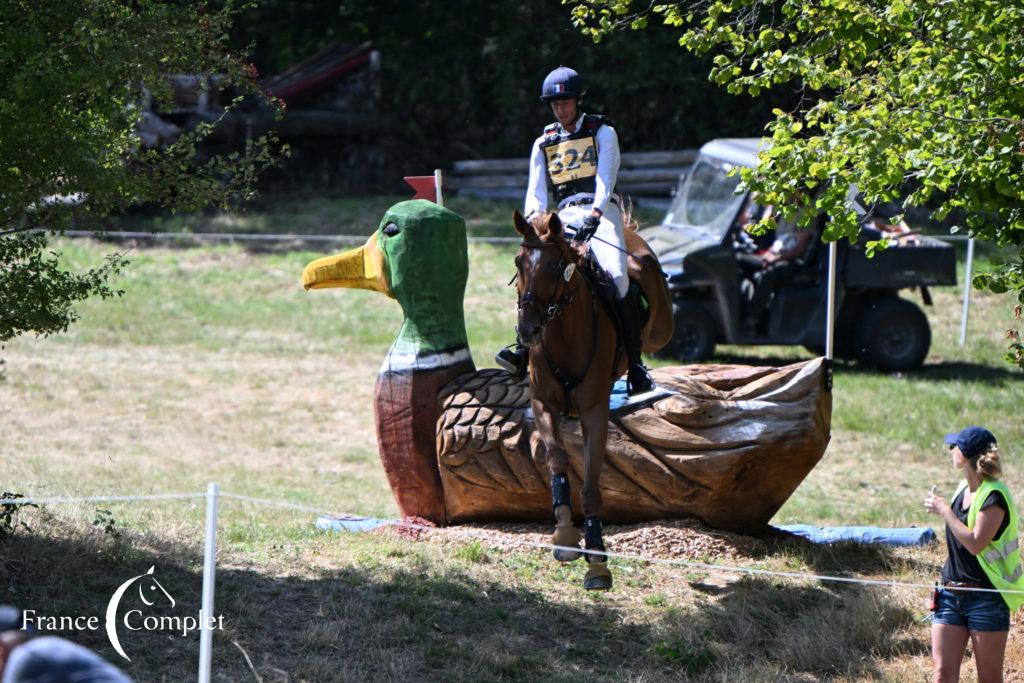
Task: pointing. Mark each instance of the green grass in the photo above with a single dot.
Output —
(216, 366)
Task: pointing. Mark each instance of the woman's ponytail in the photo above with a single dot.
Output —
(987, 464)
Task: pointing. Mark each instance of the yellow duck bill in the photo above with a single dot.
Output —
(361, 268)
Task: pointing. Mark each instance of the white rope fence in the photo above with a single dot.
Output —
(214, 494)
(248, 236)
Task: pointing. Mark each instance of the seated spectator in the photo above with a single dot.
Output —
(25, 658)
(880, 224)
(749, 247)
(787, 253)
(750, 215)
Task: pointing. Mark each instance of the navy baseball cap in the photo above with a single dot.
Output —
(972, 441)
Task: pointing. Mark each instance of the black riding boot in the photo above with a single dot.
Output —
(514, 358)
(637, 379)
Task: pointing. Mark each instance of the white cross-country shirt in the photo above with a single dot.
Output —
(608, 161)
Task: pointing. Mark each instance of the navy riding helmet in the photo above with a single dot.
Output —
(562, 84)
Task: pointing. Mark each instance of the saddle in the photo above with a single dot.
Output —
(648, 292)
(604, 286)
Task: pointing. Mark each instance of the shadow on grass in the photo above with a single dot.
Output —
(998, 376)
(993, 375)
(845, 558)
(393, 615)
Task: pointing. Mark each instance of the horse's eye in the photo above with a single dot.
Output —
(519, 261)
(391, 230)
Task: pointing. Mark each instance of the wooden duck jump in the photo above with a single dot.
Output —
(726, 444)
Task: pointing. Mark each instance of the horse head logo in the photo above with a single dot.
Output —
(149, 592)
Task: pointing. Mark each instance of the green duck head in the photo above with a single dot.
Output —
(418, 256)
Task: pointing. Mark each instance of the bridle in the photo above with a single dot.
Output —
(566, 270)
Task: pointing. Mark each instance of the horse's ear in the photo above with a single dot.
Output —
(555, 225)
(521, 225)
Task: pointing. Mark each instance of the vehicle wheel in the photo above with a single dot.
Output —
(894, 335)
(695, 333)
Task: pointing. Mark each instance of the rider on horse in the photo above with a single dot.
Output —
(577, 158)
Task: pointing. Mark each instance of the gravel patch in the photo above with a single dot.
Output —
(681, 539)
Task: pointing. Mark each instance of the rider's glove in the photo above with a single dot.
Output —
(590, 224)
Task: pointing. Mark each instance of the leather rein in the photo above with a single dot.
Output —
(566, 380)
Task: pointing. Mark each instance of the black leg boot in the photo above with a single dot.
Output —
(637, 379)
(514, 359)
(598, 577)
(566, 535)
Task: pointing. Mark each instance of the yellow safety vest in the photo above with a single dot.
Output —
(1000, 559)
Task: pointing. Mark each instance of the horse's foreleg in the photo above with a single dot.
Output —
(566, 535)
(595, 441)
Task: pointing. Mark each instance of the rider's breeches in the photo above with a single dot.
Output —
(608, 244)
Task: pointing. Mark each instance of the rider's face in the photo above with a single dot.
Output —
(566, 111)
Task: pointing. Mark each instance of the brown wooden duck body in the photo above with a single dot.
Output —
(727, 444)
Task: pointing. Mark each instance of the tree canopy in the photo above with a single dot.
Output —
(75, 76)
(464, 77)
(910, 100)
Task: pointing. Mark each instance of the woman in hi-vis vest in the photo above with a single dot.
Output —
(981, 580)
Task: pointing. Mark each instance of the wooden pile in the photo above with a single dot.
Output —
(645, 174)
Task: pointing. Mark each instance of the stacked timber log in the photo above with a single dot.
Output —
(643, 174)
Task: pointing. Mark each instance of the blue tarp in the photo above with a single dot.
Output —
(620, 397)
(349, 524)
(862, 534)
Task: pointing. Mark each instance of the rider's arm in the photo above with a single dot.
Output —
(607, 166)
(536, 188)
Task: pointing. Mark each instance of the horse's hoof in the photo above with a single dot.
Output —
(598, 577)
(569, 536)
(566, 555)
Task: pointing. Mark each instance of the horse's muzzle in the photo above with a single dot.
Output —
(529, 332)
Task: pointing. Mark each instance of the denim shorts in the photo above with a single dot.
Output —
(974, 610)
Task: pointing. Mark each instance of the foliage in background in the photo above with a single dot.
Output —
(909, 93)
(9, 509)
(465, 77)
(74, 79)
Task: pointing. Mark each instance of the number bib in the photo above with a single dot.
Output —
(571, 160)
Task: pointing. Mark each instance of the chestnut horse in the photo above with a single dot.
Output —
(575, 358)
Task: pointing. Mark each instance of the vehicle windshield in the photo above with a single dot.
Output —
(707, 202)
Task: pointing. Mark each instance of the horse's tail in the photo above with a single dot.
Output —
(629, 221)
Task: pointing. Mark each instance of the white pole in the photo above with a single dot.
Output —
(967, 291)
(209, 569)
(830, 313)
(437, 187)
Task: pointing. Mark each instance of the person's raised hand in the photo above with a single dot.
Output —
(936, 505)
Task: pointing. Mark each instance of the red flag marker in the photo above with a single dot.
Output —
(424, 186)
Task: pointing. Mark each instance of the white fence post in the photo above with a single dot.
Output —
(967, 291)
(438, 187)
(209, 573)
(830, 323)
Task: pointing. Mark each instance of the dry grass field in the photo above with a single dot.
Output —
(216, 366)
